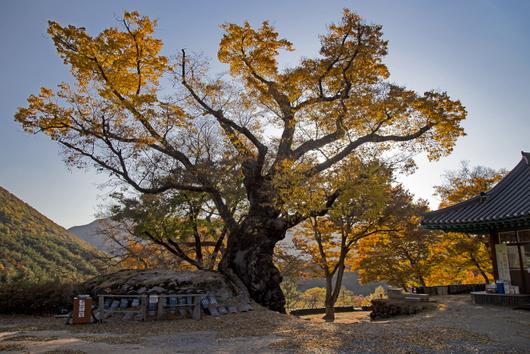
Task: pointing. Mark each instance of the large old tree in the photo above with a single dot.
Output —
(163, 125)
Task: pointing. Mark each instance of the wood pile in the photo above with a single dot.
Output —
(386, 308)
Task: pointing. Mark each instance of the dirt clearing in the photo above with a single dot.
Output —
(455, 326)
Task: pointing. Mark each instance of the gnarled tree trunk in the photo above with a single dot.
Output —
(249, 255)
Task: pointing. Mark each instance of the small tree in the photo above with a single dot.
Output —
(292, 295)
(346, 297)
(466, 259)
(404, 257)
(464, 250)
(183, 224)
(379, 293)
(362, 209)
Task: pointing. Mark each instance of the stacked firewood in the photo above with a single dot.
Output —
(385, 308)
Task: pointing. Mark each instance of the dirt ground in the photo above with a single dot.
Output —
(456, 326)
(342, 317)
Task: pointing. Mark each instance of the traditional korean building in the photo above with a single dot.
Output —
(502, 212)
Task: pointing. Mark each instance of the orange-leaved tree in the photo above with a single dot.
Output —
(161, 125)
(405, 257)
(182, 224)
(420, 257)
(468, 253)
(364, 208)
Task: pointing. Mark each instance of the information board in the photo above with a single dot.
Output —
(503, 267)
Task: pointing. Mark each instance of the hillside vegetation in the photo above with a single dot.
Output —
(34, 248)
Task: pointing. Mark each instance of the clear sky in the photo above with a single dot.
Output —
(479, 51)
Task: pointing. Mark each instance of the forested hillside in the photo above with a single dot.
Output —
(34, 248)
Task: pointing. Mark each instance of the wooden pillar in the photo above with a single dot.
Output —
(160, 308)
(197, 310)
(524, 286)
(144, 307)
(101, 310)
(494, 240)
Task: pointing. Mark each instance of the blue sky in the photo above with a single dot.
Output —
(479, 51)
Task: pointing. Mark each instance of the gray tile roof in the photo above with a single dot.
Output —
(507, 205)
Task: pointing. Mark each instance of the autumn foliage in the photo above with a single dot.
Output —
(419, 257)
(265, 132)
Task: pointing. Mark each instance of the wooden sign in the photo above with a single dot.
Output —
(82, 311)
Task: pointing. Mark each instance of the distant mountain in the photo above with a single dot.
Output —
(32, 247)
(92, 233)
(96, 232)
(350, 281)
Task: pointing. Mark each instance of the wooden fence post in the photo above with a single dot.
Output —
(197, 312)
(144, 307)
(101, 305)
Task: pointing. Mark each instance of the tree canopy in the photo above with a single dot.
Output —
(466, 182)
(469, 253)
(116, 114)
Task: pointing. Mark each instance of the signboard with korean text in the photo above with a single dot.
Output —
(503, 267)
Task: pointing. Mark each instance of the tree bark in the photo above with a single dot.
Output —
(333, 290)
(482, 272)
(484, 275)
(421, 279)
(249, 255)
(330, 301)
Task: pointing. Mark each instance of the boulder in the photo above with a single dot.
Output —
(159, 281)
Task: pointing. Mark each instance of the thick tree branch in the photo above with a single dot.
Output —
(138, 56)
(174, 248)
(124, 174)
(369, 138)
(287, 112)
(298, 217)
(315, 144)
(346, 85)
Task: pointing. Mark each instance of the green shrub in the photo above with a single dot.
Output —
(48, 297)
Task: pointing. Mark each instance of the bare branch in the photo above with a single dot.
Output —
(174, 248)
(225, 123)
(124, 174)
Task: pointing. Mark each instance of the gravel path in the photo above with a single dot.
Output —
(456, 326)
